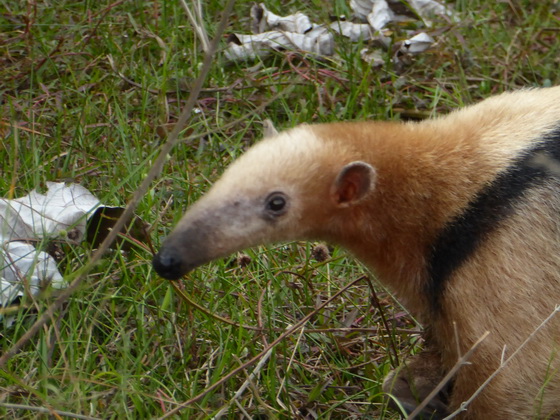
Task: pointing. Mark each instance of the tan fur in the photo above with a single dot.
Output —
(528, 292)
(423, 174)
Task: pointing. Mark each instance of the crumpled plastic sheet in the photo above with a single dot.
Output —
(59, 213)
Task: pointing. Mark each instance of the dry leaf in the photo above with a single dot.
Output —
(296, 32)
(354, 31)
(380, 15)
(243, 47)
(264, 20)
(61, 213)
(53, 214)
(418, 43)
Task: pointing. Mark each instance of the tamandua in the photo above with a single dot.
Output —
(458, 215)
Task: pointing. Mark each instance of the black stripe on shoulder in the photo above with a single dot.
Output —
(460, 238)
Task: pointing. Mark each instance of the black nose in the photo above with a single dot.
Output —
(167, 264)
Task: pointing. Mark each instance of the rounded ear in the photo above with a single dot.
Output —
(353, 183)
(269, 129)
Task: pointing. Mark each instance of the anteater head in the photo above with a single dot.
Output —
(291, 186)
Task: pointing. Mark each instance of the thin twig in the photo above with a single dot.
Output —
(260, 311)
(235, 86)
(19, 127)
(103, 13)
(155, 170)
(392, 346)
(202, 309)
(245, 385)
(259, 356)
(260, 328)
(243, 118)
(289, 367)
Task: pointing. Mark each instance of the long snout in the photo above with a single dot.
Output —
(168, 264)
(184, 250)
(215, 227)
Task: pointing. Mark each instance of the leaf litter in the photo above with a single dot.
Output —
(67, 213)
(296, 32)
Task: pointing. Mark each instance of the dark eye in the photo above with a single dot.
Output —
(276, 204)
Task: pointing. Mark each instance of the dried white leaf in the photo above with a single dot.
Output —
(21, 260)
(361, 8)
(296, 32)
(252, 46)
(58, 212)
(375, 11)
(323, 40)
(266, 20)
(318, 41)
(429, 8)
(380, 15)
(375, 57)
(236, 52)
(418, 43)
(241, 52)
(37, 216)
(354, 31)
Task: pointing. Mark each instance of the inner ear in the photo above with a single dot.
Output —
(353, 183)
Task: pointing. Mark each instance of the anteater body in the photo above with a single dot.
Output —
(458, 215)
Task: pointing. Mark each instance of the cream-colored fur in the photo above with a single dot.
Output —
(419, 177)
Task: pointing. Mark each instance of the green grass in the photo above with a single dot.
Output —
(125, 345)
